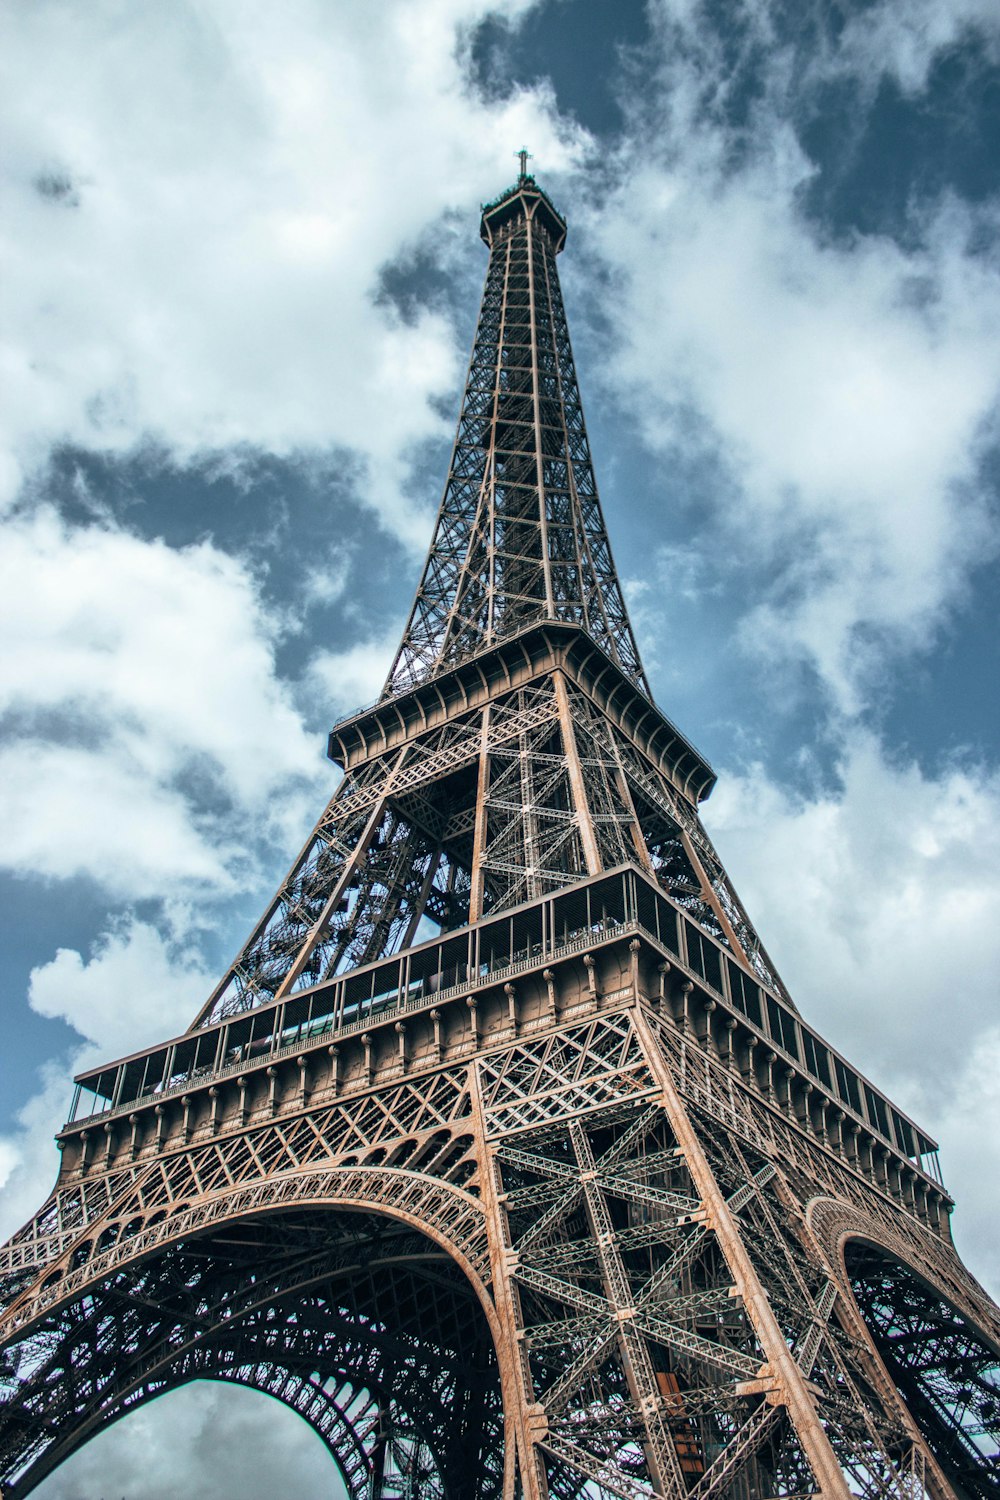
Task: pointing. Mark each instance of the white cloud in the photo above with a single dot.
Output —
(28, 1157)
(879, 900)
(219, 188)
(326, 579)
(346, 679)
(8, 1160)
(141, 693)
(849, 413)
(904, 38)
(176, 1444)
(135, 989)
(847, 388)
(969, 1125)
(899, 38)
(98, 814)
(881, 890)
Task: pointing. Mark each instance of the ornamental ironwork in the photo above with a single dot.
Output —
(501, 1153)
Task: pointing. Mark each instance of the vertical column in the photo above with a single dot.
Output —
(794, 1392)
(581, 803)
(529, 821)
(521, 1415)
(488, 491)
(543, 520)
(477, 892)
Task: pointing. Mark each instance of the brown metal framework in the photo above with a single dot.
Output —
(501, 1153)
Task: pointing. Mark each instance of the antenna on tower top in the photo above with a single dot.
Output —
(523, 156)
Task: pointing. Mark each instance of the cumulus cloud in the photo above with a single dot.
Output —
(176, 1444)
(845, 389)
(28, 1158)
(100, 816)
(136, 986)
(142, 707)
(969, 1126)
(199, 205)
(355, 675)
(878, 899)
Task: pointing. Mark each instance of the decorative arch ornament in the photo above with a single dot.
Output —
(344, 1271)
(934, 1333)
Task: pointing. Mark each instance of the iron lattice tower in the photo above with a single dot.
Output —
(501, 1153)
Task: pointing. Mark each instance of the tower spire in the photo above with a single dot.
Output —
(514, 748)
(520, 536)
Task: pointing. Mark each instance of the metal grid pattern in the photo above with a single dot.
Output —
(373, 1340)
(490, 809)
(676, 1325)
(520, 535)
(560, 1233)
(948, 1374)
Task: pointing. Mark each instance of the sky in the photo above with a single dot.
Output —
(241, 271)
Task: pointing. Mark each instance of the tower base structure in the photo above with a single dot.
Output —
(560, 1217)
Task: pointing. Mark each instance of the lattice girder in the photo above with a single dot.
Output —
(948, 1372)
(559, 1200)
(637, 1347)
(478, 813)
(380, 1314)
(520, 535)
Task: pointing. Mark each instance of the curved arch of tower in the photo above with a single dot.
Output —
(568, 1198)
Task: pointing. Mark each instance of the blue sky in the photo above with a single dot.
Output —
(241, 277)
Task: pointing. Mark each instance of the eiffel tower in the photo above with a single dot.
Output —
(501, 1153)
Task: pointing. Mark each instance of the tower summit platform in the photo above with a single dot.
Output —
(525, 200)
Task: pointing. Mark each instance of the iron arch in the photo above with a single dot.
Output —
(333, 1290)
(360, 1424)
(946, 1369)
(316, 1405)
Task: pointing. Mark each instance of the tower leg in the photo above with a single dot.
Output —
(521, 1416)
(790, 1387)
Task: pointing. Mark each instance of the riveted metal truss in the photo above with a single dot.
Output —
(519, 535)
(367, 1332)
(566, 1201)
(948, 1374)
(551, 1175)
(477, 815)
